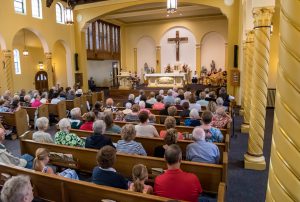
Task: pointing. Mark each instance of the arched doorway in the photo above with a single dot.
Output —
(41, 81)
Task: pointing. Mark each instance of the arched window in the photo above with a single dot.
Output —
(36, 6)
(17, 61)
(20, 6)
(59, 13)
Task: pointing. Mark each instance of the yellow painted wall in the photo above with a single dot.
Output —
(2, 79)
(59, 61)
(46, 29)
(29, 67)
(199, 27)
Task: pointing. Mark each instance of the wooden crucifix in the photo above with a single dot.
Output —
(177, 40)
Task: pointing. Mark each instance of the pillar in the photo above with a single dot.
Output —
(49, 69)
(8, 71)
(284, 173)
(248, 85)
(135, 59)
(158, 59)
(254, 158)
(198, 59)
(244, 86)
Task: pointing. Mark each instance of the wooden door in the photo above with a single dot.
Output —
(41, 81)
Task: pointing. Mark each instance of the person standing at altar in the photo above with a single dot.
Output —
(195, 78)
(91, 83)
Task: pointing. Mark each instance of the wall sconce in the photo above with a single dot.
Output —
(41, 66)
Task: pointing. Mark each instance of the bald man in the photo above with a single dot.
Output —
(202, 151)
(6, 157)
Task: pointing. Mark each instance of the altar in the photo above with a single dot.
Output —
(166, 80)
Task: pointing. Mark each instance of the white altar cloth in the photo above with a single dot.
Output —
(166, 80)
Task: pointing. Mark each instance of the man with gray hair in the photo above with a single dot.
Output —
(169, 98)
(17, 189)
(98, 140)
(200, 150)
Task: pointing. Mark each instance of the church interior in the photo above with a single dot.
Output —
(149, 100)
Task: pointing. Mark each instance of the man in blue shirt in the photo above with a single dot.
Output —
(200, 150)
(169, 98)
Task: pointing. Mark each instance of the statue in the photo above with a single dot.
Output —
(146, 68)
(168, 69)
(213, 66)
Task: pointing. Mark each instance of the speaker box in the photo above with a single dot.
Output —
(236, 56)
(76, 62)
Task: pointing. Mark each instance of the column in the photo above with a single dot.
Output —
(198, 59)
(135, 59)
(244, 86)
(8, 71)
(254, 158)
(158, 59)
(49, 69)
(248, 70)
(284, 173)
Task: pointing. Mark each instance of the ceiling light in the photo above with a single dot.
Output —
(171, 6)
(69, 14)
(228, 2)
(25, 51)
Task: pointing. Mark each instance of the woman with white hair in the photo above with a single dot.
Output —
(42, 124)
(142, 105)
(200, 150)
(98, 140)
(127, 109)
(17, 189)
(221, 118)
(64, 136)
(130, 99)
(194, 119)
(76, 120)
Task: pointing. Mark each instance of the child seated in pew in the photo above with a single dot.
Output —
(170, 138)
(41, 160)
(139, 176)
(104, 173)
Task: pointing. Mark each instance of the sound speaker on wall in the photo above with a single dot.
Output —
(76, 62)
(236, 56)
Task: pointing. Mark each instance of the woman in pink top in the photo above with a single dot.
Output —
(170, 122)
(36, 102)
(89, 121)
(158, 105)
(140, 175)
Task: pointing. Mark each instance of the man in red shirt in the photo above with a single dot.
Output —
(175, 183)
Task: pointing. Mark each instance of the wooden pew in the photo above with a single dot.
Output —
(100, 96)
(42, 111)
(182, 129)
(60, 189)
(58, 109)
(83, 105)
(149, 144)
(92, 98)
(71, 104)
(17, 119)
(210, 175)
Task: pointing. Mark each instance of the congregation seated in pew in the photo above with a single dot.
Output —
(109, 122)
(76, 119)
(110, 105)
(159, 105)
(170, 122)
(127, 144)
(221, 119)
(98, 140)
(194, 119)
(104, 173)
(173, 183)
(64, 137)
(42, 124)
(186, 110)
(170, 138)
(201, 150)
(144, 129)
(133, 116)
(88, 119)
(139, 176)
(212, 134)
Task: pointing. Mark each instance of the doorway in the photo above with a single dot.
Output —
(41, 81)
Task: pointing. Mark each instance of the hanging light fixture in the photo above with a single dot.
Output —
(172, 6)
(228, 2)
(25, 51)
(69, 14)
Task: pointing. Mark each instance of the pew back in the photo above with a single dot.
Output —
(42, 111)
(71, 104)
(17, 119)
(61, 189)
(210, 175)
(58, 109)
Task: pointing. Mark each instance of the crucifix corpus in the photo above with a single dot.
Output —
(177, 40)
